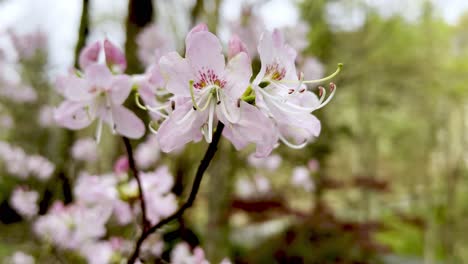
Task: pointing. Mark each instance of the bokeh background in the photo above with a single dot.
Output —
(386, 182)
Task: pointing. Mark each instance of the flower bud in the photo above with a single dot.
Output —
(236, 46)
(115, 58)
(89, 54)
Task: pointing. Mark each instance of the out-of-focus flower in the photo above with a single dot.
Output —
(152, 89)
(312, 68)
(152, 43)
(21, 165)
(28, 45)
(6, 121)
(72, 226)
(46, 116)
(205, 90)
(259, 185)
(297, 36)
(270, 163)
(248, 28)
(121, 165)
(284, 96)
(236, 46)
(85, 149)
(182, 254)
(147, 153)
(301, 178)
(17, 92)
(25, 202)
(101, 191)
(160, 202)
(99, 252)
(20, 257)
(98, 94)
(153, 246)
(313, 165)
(40, 166)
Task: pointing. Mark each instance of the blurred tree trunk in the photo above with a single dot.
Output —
(140, 14)
(83, 31)
(220, 192)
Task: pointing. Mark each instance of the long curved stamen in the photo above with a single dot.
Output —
(322, 94)
(290, 144)
(157, 111)
(228, 115)
(206, 104)
(338, 70)
(151, 128)
(333, 90)
(138, 103)
(99, 130)
(192, 95)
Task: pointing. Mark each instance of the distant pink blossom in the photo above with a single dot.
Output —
(25, 202)
(302, 178)
(152, 43)
(72, 226)
(20, 257)
(85, 149)
(182, 254)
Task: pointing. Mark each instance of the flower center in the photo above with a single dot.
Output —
(275, 72)
(208, 78)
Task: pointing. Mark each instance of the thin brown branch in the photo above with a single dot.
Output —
(131, 162)
(205, 162)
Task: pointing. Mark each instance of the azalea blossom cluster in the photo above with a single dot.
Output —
(21, 165)
(102, 201)
(187, 96)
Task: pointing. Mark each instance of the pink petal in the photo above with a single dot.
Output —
(121, 88)
(89, 55)
(98, 76)
(204, 52)
(126, 123)
(73, 115)
(198, 28)
(172, 135)
(236, 46)
(254, 127)
(115, 58)
(177, 73)
(76, 89)
(237, 75)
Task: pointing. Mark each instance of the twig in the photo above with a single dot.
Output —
(205, 162)
(133, 168)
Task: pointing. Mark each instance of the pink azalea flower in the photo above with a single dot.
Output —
(301, 178)
(97, 252)
(85, 149)
(160, 202)
(72, 226)
(99, 95)
(25, 202)
(147, 153)
(21, 258)
(152, 89)
(114, 57)
(205, 89)
(283, 96)
(182, 254)
(153, 43)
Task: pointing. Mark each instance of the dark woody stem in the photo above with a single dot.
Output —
(205, 162)
(131, 162)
